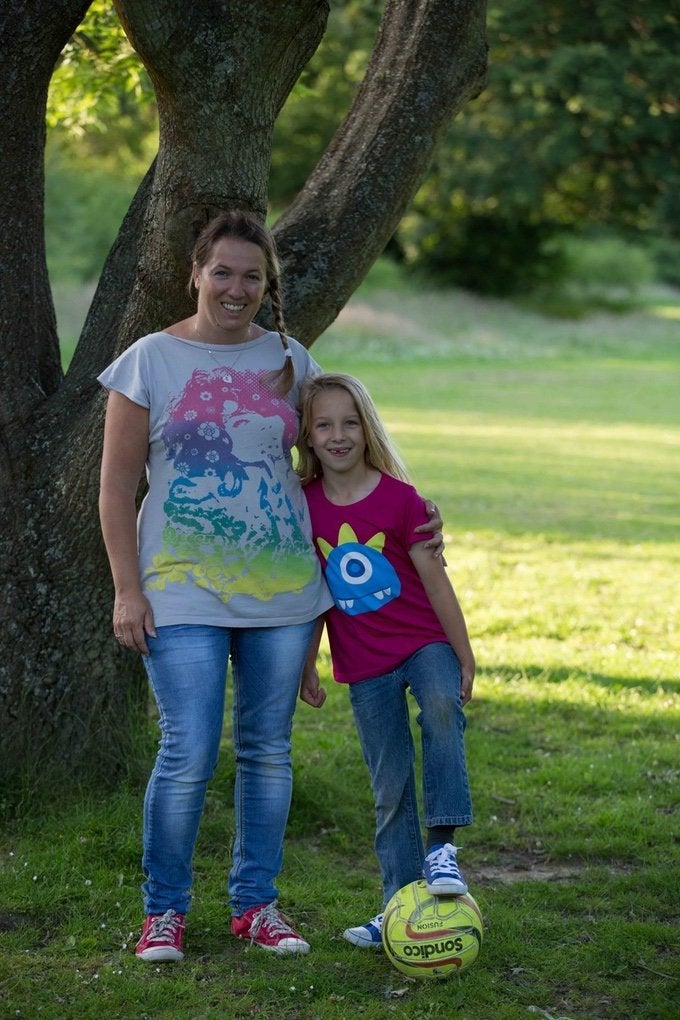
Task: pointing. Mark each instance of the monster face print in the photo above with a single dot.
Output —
(360, 578)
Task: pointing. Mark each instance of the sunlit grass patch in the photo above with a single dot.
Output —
(666, 311)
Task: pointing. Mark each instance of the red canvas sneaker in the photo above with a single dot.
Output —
(265, 926)
(162, 937)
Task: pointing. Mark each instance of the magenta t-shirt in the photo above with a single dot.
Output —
(382, 614)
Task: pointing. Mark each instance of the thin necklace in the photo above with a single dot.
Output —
(224, 373)
(224, 369)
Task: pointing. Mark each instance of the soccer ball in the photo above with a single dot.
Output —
(431, 936)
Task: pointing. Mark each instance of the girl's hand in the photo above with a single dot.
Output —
(310, 691)
(467, 679)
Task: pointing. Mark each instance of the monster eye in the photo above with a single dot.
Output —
(355, 568)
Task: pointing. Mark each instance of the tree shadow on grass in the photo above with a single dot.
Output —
(552, 676)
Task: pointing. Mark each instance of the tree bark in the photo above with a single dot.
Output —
(68, 696)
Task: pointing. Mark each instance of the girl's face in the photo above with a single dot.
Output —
(230, 287)
(335, 433)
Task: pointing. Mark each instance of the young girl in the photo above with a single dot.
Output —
(396, 625)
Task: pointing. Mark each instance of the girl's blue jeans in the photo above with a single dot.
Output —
(381, 713)
(187, 668)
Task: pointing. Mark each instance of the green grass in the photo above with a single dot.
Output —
(552, 448)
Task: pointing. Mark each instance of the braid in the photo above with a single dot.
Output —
(277, 305)
(285, 377)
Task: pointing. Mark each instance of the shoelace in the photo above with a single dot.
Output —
(163, 928)
(270, 917)
(445, 860)
(377, 921)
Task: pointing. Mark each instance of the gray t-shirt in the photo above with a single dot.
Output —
(224, 533)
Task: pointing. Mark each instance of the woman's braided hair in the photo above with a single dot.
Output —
(246, 227)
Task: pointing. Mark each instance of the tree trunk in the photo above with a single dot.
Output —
(51, 567)
(221, 71)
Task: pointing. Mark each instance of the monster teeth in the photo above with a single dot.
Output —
(379, 595)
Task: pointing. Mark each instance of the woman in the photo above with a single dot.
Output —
(223, 567)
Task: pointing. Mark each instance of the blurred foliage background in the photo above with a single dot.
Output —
(563, 172)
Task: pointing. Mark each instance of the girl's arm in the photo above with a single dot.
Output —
(445, 604)
(309, 682)
(126, 444)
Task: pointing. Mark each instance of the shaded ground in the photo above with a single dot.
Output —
(528, 867)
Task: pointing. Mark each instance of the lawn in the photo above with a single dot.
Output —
(552, 448)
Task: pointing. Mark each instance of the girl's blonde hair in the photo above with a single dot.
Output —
(380, 453)
(246, 227)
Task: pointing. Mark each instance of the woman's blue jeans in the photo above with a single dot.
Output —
(187, 668)
(381, 714)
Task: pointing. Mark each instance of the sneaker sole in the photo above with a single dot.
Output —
(298, 949)
(362, 943)
(287, 947)
(447, 889)
(160, 955)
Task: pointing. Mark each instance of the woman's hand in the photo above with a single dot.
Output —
(132, 621)
(434, 525)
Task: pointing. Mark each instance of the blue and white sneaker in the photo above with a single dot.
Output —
(441, 872)
(366, 936)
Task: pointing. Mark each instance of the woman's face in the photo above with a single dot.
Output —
(231, 286)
